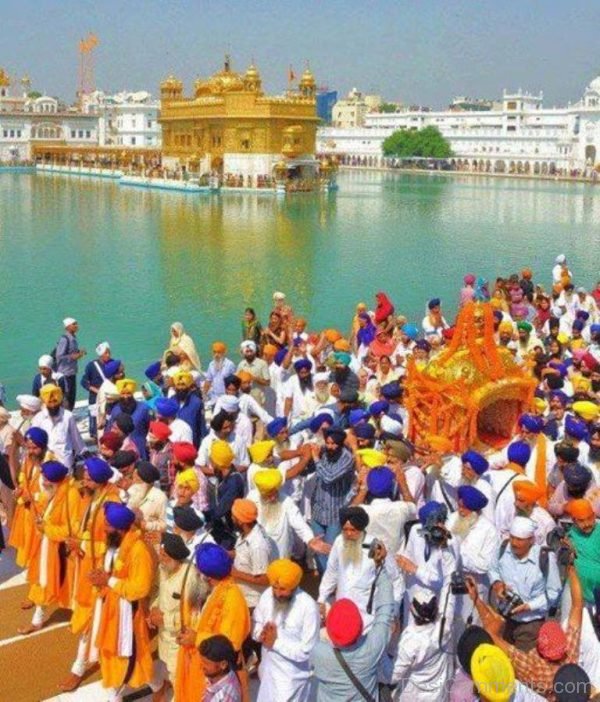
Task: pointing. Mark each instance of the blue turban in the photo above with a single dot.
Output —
(583, 314)
(472, 498)
(302, 364)
(576, 476)
(477, 462)
(54, 471)
(38, 436)
(152, 371)
(560, 396)
(118, 515)
(498, 315)
(411, 331)
(381, 481)
(99, 471)
(560, 367)
(317, 422)
(166, 407)
(280, 355)
(434, 302)
(595, 329)
(578, 325)
(379, 407)
(519, 452)
(423, 344)
(364, 431)
(111, 368)
(356, 416)
(576, 428)
(531, 423)
(213, 561)
(433, 512)
(391, 390)
(342, 357)
(275, 426)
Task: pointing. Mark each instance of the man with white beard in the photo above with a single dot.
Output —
(287, 624)
(280, 517)
(353, 568)
(475, 472)
(477, 543)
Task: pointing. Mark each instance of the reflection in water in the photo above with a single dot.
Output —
(129, 261)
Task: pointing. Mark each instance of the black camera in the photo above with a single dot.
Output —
(436, 534)
(458, 585)
(565, 553)
(374, 547)
(508, 603)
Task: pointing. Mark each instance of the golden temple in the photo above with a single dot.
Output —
(229, 125)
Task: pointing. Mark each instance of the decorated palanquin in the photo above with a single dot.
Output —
(473, 391)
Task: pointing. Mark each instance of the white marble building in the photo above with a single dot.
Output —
(521, 137)
(126, 118)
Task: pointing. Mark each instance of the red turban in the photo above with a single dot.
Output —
(160, 431)
(184, 452)
(111, 441)
(344, 623)
(552, 641)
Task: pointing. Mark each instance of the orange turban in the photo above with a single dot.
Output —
(244, 376)
(579, 509)
(342, 345)
(245, 511)
(332, 335)
(219, 347)
(269, 350)
(527, 491)
(50, 392)
(439, 443)
(284, 573)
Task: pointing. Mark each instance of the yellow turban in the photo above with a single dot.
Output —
(496, 303)
(126, 385)
(284, 573)
(342, 345)
(332, 335)
(439, 443)
(492, 673)
(221, 454)
(188, 478)
(51, 392)
(219, 347)
(586, 410)
(261, 450)
(268, 481)
(183, 379)
(581, 384)
(563, 338)
(371, 457)
(540, 404)
(505, 328)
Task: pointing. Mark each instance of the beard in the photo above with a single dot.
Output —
(181, 395)
(595, 453)
(305, 383)
(53, 411)
(469, 481)
(463, 524)
(281, 606)
(352, 550)
(322, 396)
(340, 374)
(113, 539)
(270, 514)
(128, 405)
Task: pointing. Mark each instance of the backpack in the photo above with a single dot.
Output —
(53, 352)
(543, 558)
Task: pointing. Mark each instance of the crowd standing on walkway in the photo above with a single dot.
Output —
(207, 503)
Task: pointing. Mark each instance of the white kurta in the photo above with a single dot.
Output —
(285, 672)
(387, 520)
(477, 550)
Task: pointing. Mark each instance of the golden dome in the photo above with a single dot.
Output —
(252, 73)
(307, 78)
(4, 79)
(171, 83)
(224, 81)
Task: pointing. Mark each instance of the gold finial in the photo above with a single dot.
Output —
(227, 64)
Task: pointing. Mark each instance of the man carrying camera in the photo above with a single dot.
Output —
(525, 584)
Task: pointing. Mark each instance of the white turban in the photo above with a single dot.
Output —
(278, 296)
(247, 345)
(229, 403)
(561, 258)
(45, 361)
(522, 528)
(102, 348)
(321, 377)
(556, 311)
(391, 426)
(29, 402)
(67, 321)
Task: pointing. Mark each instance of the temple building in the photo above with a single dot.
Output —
(231, 128)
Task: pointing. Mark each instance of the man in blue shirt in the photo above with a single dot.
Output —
(520, 570)
(191, 407)
(47, 376)
(138, 411)
(92, 378)
(67, 355)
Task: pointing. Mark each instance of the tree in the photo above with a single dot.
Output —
(423, 143)
(34, 95)
(388, 107)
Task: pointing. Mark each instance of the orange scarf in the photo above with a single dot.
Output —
(540, 468)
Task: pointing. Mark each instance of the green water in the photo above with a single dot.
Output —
(127, 262)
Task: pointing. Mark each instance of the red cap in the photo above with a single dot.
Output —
(184, 452)
(111, 441)
(344, 623)
(448, 333)
(160, 430)
(552, 641)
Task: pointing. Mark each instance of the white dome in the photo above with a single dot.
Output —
(595, 85)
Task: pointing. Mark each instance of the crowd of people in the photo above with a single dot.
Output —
(270, 515)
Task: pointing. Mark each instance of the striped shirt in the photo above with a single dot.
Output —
(333, 486)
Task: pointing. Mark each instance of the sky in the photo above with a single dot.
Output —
(413, 51)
